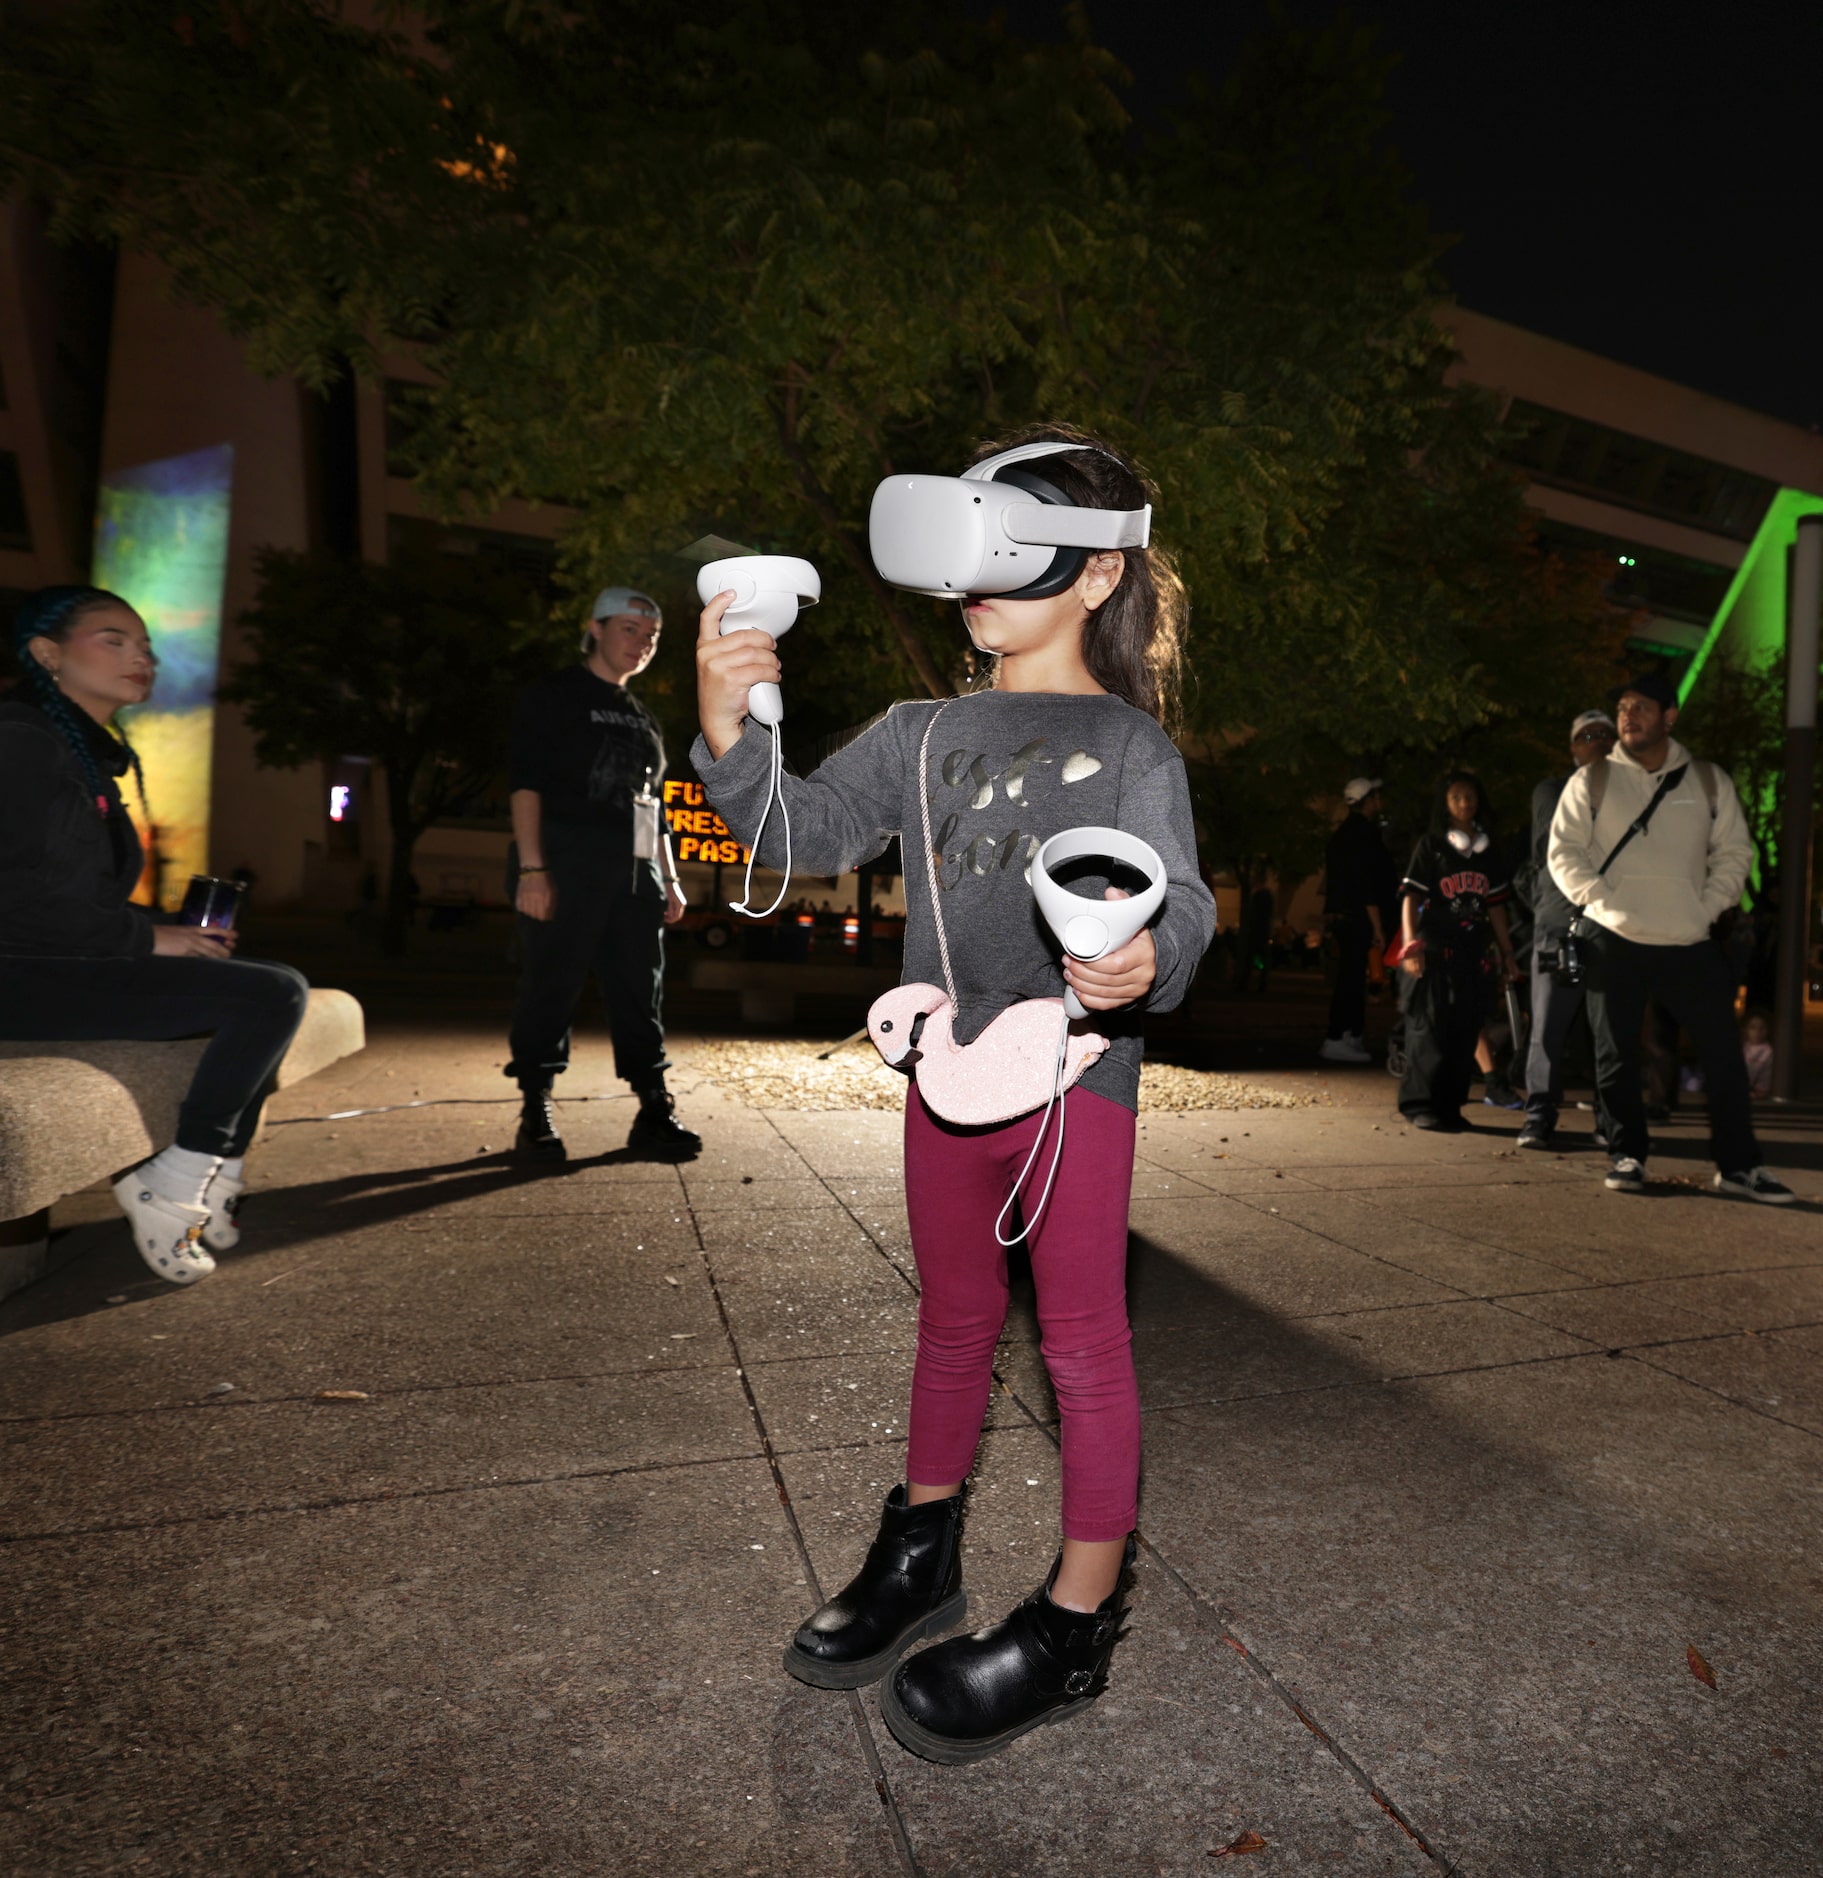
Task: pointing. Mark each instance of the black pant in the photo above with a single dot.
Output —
(253, 1009)
(1692, 983)
(1554, 1009)
(1348, 1006)
(1444, 1012)
(616, 932)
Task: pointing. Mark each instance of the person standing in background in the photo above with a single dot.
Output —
(1651, 847)
(1359, 879)
(1554, 1005)
(1452, 925)
(592, 876)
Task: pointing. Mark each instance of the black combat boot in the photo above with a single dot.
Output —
(538, 1139)
(910, 1586)
(657, 1131)
(966, 1699)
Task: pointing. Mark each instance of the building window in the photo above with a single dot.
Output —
(1590, 459)
(15, 524)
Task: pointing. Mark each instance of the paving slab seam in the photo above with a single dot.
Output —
(870, 1752)
(823, 1181)
(213, 1404)
(1392, 1264)
(388, 1496)
(1207, 1612)
(1733, 1401)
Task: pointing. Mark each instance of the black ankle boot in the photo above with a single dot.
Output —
(910, 1586)
(538, 1139)
(656, 1129)
(966, 1699)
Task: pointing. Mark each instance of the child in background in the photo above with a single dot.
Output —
(1756, 1046)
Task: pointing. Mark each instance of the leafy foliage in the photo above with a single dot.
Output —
(721, 269)
(411, 664)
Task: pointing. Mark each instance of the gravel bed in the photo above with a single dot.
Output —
(790, 1076)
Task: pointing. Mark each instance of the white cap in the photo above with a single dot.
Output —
(613, 600)
(1588, 718)
(1361, 788)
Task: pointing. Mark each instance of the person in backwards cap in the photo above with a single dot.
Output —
(592, 876)
(1651, 847)
(1360, 883)
(1554, 1005)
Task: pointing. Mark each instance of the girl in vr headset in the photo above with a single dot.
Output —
(1068, 734)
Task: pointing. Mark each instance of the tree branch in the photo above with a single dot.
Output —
(854, 552)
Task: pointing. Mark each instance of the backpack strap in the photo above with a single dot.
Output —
(1705, 774)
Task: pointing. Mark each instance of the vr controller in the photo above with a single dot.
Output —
(1091, 929)
(769, 592)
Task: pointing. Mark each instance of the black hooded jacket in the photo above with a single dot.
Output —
(67, 871)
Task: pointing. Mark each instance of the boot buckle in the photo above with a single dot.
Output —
(1079, 1682)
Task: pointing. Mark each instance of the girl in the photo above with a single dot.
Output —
(1069, 735)
(78, 962)
(1454, 899)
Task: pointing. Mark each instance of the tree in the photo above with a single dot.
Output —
(801, 248)
(412, 664)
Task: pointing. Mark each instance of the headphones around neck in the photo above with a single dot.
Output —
(1476, 843)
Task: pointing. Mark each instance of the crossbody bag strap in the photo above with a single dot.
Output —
(1639, 824)
(930, 854)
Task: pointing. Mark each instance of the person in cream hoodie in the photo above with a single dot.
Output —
(1646, 902)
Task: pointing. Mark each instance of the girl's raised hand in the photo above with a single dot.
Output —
(1116, 978)
(726, 669)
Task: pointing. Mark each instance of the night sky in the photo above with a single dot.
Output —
(1627, 178)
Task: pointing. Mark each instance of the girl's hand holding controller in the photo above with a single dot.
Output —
(726, 669)
(1117, 978)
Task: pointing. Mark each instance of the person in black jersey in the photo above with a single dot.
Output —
(1453, 922)
(592, 876)
(80, 962)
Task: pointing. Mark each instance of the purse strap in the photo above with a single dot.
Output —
(930, 853)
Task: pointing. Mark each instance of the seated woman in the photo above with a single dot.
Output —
(78, 962)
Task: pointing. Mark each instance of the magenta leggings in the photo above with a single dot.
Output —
(956, 1180)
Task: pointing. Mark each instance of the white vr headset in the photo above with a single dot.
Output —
(995, 529)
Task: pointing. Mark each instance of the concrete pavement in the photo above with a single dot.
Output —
(1450, 1459)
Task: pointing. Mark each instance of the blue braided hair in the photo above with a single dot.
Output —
(49, 614)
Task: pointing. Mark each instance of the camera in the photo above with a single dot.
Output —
(1561, 958)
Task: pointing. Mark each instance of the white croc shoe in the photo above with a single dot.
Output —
(166, 1234)
(222, 1202)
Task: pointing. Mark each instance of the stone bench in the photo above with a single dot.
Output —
(769, 992)
(75, 1113)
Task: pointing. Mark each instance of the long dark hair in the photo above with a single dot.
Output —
(1485, 817)
(1133, 643)
(50, 613)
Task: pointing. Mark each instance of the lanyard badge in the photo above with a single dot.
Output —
(645, 822)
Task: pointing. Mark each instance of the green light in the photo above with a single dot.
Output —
(1751, 618)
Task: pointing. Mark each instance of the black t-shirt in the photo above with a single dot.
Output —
(585, 746)
(1357, 870)
(1457, 889)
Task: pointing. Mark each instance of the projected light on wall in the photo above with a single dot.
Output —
(161, 543)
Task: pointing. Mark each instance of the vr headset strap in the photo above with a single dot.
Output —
(1044, 525)
(1639, 825)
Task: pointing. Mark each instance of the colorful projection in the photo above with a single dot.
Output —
(161, 543)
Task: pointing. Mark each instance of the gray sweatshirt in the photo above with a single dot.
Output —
(1007, 770)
